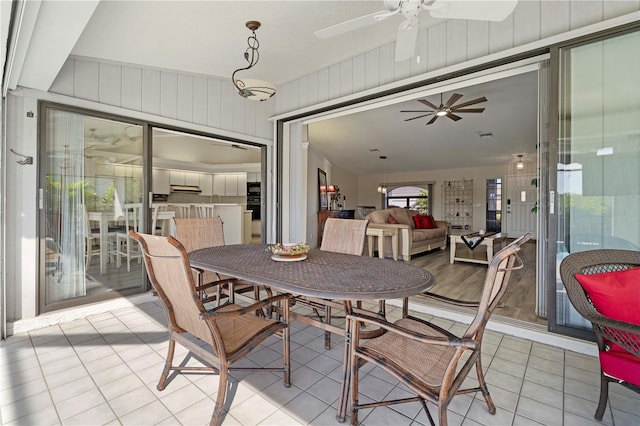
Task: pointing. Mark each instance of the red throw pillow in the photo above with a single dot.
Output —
(392, 219)
(433, 221)
(614, 294)
(422, 222)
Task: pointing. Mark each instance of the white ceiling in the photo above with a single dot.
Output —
(209, 37)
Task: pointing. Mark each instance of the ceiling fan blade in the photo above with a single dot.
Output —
(452, 100)
(427, 103)
(489, 10)
(410, 110)
(467, 110)
(406, 41)
(420, 116)
(350, 25)
(472, 102)
(435, 117)
(454, 117)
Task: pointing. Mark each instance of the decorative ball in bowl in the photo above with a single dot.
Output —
(291, 250)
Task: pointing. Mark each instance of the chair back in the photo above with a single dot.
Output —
(596, 262)
(495, 285)
(198, 233)
(181, 210)
(168, 268)
(344, 236)
(204, 210)
(133, 217)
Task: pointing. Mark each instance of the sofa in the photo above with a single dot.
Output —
(410, 239)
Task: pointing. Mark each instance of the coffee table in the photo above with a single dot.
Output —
(482, 253)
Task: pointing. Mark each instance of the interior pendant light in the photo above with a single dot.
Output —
(256, 90)
(519, 163)
(382, 188)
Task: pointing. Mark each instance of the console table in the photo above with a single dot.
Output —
(380, 232)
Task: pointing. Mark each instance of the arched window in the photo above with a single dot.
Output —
(411, 197)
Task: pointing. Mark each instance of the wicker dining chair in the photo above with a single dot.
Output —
(618, 340)
(218, 337)
(431, 361)
(339, 236)
(199, 233)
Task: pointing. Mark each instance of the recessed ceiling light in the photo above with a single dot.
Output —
(485, 134)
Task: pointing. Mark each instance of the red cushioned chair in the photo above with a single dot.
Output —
(605, 289)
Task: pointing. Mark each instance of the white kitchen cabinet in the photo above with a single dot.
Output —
(161, 181)
(242, 184)
(231, 185)
(254, 176)
(206, 184)
(219, 183)
(177, 177)
(192, 178)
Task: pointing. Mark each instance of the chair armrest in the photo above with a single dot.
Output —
(455, 302)
(216, 283)
(242, 310)
(393, 328)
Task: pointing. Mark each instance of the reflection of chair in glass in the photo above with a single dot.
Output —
(432, 362)
(52, 256)
(204, 210)
(125, 246)
(91, 239)
(198, 233)
(181, 210)
(610, 301)
(219, 337)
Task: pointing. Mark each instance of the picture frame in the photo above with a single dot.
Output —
(323, 195)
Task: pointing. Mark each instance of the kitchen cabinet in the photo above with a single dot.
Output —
(161, 181)
(254, 176)
(242, 185)
(192, 178)
(231, 185)
(176, 177)
(206, 184)
(219, 182)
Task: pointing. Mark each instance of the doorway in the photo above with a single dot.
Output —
(494, 205)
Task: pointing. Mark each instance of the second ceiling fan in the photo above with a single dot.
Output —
(448, 109)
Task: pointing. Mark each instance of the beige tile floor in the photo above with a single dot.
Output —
(103, 369)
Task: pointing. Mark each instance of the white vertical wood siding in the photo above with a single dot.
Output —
(212, 101)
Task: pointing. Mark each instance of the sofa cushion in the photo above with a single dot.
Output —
(423, 222)
(402, 216)
(378, 216)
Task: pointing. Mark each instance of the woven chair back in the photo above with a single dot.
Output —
(169, 271)
(344, 236)
(198, 233)
(495, 284)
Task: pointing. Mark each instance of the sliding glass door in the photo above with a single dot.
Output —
(597, 194)
(91, 193)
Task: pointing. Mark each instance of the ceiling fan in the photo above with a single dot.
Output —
(448, 109)
(94, 137)
(226, 145)
(489, 10)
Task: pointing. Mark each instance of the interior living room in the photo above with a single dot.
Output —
(495, 118)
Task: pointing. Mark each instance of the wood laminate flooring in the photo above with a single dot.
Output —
(463, 280)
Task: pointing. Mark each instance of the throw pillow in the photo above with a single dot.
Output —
(392, 219)
(614, 294)
(433, 221)
(422, 222)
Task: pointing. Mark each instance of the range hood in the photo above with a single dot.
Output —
(186, 189)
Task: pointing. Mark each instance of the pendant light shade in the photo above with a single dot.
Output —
(249, 88)
(382, 188)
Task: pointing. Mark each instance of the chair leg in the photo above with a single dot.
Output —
(216, 417)
(604, 396)
(162, 384)
(327, 334)
(483, 387)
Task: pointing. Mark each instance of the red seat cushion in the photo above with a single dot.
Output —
(614, 294)
(621, 365)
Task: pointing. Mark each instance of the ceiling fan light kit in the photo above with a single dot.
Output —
(407, 35)
(249, 88)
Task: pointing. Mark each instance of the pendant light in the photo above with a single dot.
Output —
(256, 90)
(382, 188)
(519, 163)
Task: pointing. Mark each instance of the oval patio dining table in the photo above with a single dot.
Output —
(323, 274)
